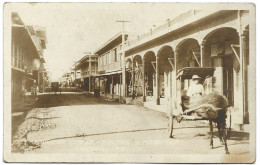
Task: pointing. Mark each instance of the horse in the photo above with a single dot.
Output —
(212, 107)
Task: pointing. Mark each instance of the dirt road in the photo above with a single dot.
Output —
(76, 123)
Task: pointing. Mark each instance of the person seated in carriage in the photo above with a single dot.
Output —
(196, 104)
(196, 89)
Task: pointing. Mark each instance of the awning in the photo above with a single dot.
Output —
(110, 73)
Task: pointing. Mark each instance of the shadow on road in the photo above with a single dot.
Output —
(234, 135)
(68, 100)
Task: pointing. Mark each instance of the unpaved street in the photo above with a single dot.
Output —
(77, 123)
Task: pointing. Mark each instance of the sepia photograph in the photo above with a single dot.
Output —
(129, 82)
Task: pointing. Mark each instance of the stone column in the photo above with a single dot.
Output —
(144, 97)
(243, 73)
(157, 81)
(175, 85)
(171, 84)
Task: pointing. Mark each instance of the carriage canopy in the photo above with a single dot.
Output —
(188, 72)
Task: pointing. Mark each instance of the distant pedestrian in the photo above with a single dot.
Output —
(34, 89)
(24, 91)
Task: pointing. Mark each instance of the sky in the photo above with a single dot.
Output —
(75, 28)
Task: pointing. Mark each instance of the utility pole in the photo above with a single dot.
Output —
(123, 56)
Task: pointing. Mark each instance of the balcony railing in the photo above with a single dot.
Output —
(88, 73)
(116, 65)
(110, 67)
(18, 63)
(164, 26)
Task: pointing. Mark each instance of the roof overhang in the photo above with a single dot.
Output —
(114, 41)
(85, 60)
(21, 33)
(16, 19)
(109, 73)
(31, 30)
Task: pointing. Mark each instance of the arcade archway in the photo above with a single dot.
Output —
(163, 72)
(149, 71)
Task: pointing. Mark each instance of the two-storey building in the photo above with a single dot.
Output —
(25, 56)
(87, 66)
(197, 38)
(110, 66)
(38, 34)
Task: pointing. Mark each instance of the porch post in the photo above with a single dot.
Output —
(112, 86)
(242, 65)
(94, 78)
(120, 79)
(95, 68)
(144, 97)
(174, 78)
(99, 83)
(245, 79)
(43, 83)
(241, 71)
(133, 80)
(105, 80)
(90, 69)
(171, 100)
(176, 54)
(123, 65)
(89, 83)
(202, 49)
(157, 81)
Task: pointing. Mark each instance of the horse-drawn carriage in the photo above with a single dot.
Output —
(55, 87)
(211, 106)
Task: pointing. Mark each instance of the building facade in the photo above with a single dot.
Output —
(87, 67)
(197, 38)
(26, 57)
(110, 66)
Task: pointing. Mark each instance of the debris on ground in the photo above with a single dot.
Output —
(36, 120)
(88, 93)
(112, 99)
(122, 101)
(199, 134)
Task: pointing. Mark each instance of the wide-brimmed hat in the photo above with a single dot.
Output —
(194, 77)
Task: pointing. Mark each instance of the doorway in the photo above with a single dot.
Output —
(228, 84)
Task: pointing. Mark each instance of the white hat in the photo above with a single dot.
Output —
(194, 77)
